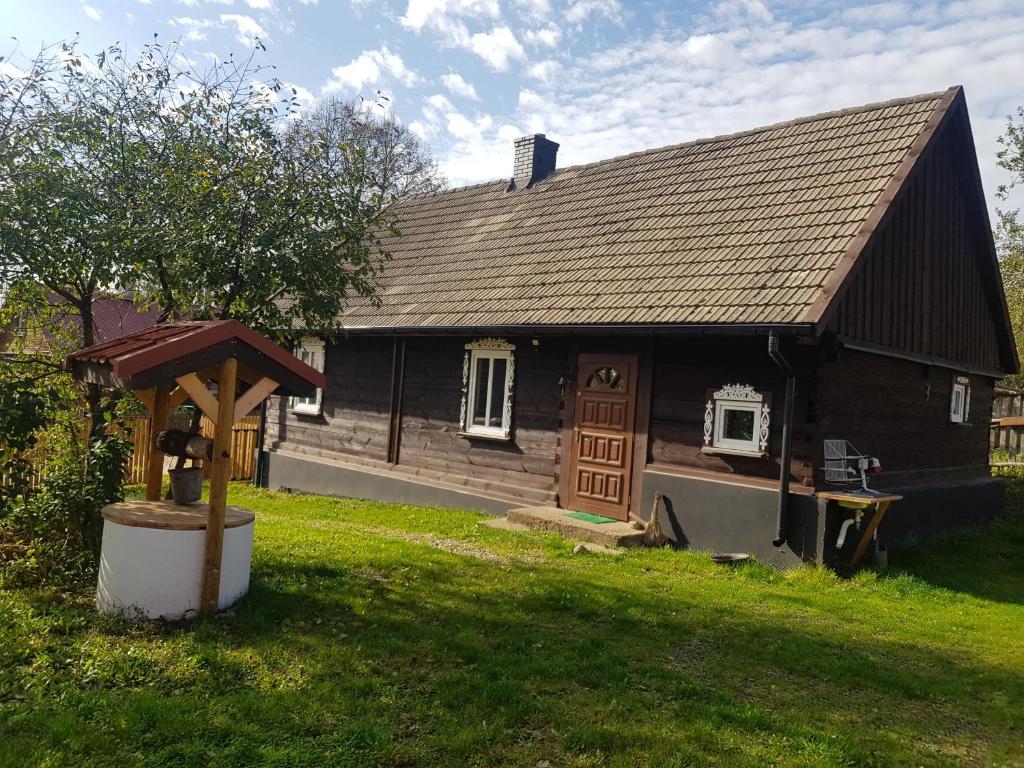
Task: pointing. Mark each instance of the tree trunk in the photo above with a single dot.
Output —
(93, 392)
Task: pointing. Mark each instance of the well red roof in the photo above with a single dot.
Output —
(175, 343)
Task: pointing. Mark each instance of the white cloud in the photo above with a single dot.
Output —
(543, 70)
(746, 69)
(303, 96)
(440, 117)
(260, 5)
(421, 129)
(530, 100)
(534, 9)
(438, 103)
(497, 47)
(458, 86)
(246, 28)
(9, 70)
(193, 27)
(444, 15)
(92, 13)
(579, 10)
(745, 10)
(447, 19)
(545, 36)
(371, 68)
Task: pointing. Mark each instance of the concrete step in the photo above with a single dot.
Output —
(502, 524)
(558, 521)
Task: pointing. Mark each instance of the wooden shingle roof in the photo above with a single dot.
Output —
(751, 228)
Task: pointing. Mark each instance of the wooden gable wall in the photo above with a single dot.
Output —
(926, 284)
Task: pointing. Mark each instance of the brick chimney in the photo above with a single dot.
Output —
(535, 159)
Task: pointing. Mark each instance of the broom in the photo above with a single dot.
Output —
(653, 535)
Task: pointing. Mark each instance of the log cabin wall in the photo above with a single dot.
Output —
(684, 370)
(354, 417)
(898, 410)
(526, 466)
(924, 286)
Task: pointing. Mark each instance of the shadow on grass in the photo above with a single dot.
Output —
(983, 561)
(441, 660)
(580, 666)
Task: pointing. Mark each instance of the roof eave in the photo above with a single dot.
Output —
(569, 329)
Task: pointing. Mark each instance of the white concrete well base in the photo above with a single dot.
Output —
(151, 563)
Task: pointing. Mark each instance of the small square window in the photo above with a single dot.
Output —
(736, 420)
(311, 352)
(960, 400)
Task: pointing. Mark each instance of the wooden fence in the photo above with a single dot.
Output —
(1006, 436)
(244, 438)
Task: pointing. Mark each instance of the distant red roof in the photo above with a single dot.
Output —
(113, 316)
(158, 354)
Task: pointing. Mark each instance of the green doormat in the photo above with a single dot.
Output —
(589, 518)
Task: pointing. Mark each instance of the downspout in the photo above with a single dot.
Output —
(261, 435)
(787, 436)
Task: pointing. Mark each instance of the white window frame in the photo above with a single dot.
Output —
(960, 400)
(311, 351)
(491, 350)
(737, 397)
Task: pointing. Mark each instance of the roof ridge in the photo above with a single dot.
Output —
(869, 107)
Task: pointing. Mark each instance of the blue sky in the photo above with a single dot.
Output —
(602, 77)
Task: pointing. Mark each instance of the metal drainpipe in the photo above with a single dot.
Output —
(257, 474)
(787, 435)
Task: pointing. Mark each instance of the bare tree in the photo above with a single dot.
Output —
(353, 137)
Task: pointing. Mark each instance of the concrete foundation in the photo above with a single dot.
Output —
(309, 474)
(699, 513)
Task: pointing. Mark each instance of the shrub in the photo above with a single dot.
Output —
(50, 527)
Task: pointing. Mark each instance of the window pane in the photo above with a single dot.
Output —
(480, 395)
(739, 425)
(498, 391)
(606, 378)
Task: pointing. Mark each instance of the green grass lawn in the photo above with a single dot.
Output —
(395, 636)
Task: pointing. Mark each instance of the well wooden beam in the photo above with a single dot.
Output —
(253, 396)
(220, 471)
(201, 396)
(155, 464)
(178, 396)
(145, 396)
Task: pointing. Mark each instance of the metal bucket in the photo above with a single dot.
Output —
(186, 485)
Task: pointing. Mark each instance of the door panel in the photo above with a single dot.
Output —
(602, 454)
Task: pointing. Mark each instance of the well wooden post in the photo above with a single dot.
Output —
(155, 464)
(220, 471)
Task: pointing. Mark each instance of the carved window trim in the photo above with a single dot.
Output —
(737, 397)
(960, 400)
(487, 349)
(311, 351)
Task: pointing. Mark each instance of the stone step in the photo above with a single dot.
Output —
(503, 524)
(558, 521)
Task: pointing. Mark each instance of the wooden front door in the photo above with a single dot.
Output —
(602, 450)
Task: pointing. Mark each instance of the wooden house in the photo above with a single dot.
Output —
(694, 320)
